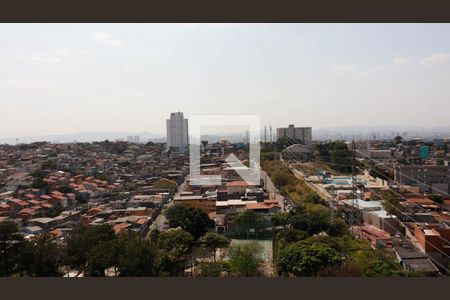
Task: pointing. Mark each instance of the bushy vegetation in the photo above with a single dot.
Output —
(245, 258)
(336, 154)
(314, 243)
(193, 220)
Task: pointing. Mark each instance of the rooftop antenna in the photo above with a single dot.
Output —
(270, 133)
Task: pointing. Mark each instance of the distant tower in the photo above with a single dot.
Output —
(265, 134)
(17, 141)
(177, 131)
(270, 128)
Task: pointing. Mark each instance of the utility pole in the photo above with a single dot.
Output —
(354, 187)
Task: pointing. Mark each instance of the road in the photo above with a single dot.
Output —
(160, 222)
(272, 190)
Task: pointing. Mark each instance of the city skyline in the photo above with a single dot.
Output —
(66, 78)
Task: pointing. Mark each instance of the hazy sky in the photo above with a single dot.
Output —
(67, 78)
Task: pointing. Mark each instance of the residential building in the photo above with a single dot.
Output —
(177, 131)
(429, 178)
(302, 134)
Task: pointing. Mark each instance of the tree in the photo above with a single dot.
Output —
(10, 239)
(103, 177)
(40, 258)
(193, 220)
(280, 219)
(245, 258)
(175, 242)
(268, 156)
(137, 257)
(376, 263)
(247, 220)
(313, 197)
(314, 219)
(154, 234)
(214, 241)
(83, 240)
(291, 235)
(101, 257)
(174, 245)
(391, 202)
(437, 198)
(306, 260)
(49, 164)
(337, 227)
(280, 179)
(65, 189)
(337, 154)
(38, 179)
(213, 269)
(398, 139)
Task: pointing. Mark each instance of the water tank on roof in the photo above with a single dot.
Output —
(424, 153)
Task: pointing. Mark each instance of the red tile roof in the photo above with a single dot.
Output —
(240, 183)
(419, 201)
(271, 201)
(120, 227)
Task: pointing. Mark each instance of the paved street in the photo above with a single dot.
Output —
(272, 190)
(160, 222)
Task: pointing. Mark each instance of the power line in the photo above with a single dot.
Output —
(395, 207)
(427, 242)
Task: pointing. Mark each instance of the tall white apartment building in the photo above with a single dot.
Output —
(302, 134)
(177, 131)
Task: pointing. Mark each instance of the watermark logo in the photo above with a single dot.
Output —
(250, 173)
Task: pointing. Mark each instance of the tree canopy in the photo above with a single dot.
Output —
(245, 258)
(302, 259)
(214, 241)
(247, 220)
(193, 220)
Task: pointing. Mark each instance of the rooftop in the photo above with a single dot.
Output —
(240, 183)
(364, 204)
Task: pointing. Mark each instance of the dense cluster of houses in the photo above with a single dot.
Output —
(50, 188)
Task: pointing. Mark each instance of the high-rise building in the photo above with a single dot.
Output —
(301, 134)
(177, 131)
(137, 139)
(129, 139)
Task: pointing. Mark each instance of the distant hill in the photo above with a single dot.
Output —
(83, 137)
(385, 131)
(383, 128)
